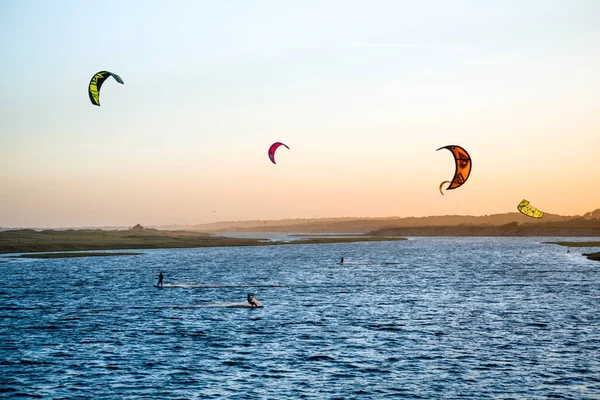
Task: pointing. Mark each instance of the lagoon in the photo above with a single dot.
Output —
(422, 318)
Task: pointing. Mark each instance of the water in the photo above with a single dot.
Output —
(426, 318)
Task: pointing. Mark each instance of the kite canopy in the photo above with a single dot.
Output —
(96, 83)
(528, 210)
(463, 167)
(272, 149)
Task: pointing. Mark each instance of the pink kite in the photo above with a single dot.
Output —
(272, 149)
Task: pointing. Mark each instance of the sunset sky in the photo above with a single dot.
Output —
(363, 93)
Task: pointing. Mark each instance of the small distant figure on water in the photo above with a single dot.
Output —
(568, 250)
(251, 300)
(342, 260)
(160, 280)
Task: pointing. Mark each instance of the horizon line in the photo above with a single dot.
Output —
(350, 218)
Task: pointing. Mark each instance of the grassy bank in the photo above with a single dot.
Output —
(30, 241)
(593, 256)
(74, 255)
(343, 240)
(27, 240)
(576, 244)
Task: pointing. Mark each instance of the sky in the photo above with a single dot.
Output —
(363, 93)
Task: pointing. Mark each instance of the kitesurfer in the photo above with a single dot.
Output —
(251, 300)
(160, 280)
(342, 260)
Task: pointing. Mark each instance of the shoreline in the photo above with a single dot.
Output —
(590, 256)
(72, 255)
(575, 244)
(593, 256)
(29, 241)
(70, 243)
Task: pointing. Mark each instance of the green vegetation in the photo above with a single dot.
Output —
(29, 241)
(576, 244)
(593, 256)
(73, 255)
(572, 227)
(345, 240)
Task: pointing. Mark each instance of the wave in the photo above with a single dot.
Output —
(217, 285)
(222, 304)
(370, 263)
(357, 263)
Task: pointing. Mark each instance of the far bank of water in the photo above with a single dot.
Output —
(422, 318)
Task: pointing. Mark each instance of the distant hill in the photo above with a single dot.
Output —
(592, 214)
(256, 223)
(365, 225)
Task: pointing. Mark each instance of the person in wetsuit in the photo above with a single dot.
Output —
(342, 260)
(251, 300)
(160, 280)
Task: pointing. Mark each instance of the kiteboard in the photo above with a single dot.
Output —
(244, 305)
(216, 285)
(232, 305)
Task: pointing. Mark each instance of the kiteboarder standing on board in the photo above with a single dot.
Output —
(251, 300)
(160, 280)
(342, 260)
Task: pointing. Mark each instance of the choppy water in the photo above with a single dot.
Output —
(426, 318)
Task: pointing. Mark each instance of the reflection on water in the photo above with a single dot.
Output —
(424, 318)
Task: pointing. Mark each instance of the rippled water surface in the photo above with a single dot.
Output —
(424, 318)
